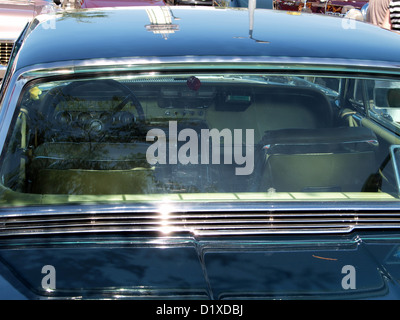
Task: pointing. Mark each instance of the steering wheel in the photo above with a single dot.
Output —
(67, 93)
(91, 90)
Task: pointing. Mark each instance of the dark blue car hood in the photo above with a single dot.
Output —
(353, 266)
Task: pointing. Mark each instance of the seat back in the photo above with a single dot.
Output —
(91, 168)
(319, 160)
(275, 108)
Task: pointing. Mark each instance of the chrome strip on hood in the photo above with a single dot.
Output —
(199, 220)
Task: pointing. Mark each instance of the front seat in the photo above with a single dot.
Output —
(337, 159)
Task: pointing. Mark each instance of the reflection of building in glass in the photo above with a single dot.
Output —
(161, 21)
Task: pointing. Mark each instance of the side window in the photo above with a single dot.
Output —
(356, 93)
(353, 97)
(384, 99)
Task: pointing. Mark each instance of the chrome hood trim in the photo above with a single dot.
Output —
(198, 220)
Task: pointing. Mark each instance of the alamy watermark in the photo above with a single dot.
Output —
(196, 148)
(49, 280)
(349, 280)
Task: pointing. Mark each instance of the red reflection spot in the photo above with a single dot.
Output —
(193, 83)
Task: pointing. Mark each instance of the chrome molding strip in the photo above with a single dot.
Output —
(210, 63)
(394, 152)
(198, 223)
(341, 208)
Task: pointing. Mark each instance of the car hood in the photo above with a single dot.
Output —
(355, 266)
(15, 14)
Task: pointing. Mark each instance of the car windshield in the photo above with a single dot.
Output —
(203, 137)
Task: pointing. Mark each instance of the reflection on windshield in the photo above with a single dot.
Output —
(250, 136)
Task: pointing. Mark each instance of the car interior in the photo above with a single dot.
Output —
(91, 137)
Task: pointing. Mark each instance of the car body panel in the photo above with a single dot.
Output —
(193, 2)
(189, 268)
(195, 245)
(188, 41)
(261, 4)
(85, 4)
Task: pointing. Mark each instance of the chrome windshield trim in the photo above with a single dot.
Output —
(209, 63)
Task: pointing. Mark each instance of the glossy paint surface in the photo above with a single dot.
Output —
(126, 33)
(190, 268)
(119, 3)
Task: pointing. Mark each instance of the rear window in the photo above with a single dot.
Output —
(203, 137)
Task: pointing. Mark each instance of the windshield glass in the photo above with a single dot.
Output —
(203, 137)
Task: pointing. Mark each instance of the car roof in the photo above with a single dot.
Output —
(206, 33)
(119, 3)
